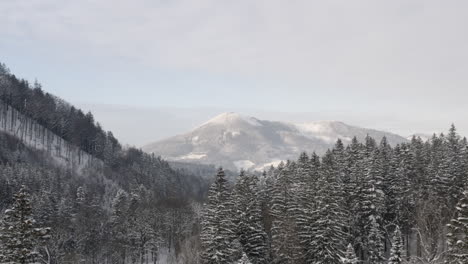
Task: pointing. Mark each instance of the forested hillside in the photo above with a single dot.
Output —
(133, 208)
(364, 203)
(61, 118)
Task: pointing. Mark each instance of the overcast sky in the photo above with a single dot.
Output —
(398, 65)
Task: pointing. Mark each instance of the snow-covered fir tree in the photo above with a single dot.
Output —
(350, 256)
(248, 219)
(457, 237)
(397, 250)
(285, 240)
(453, 176)
(218, 230)
(119, 226)
(328, 242)
(244, 259)
(374, 246)
(19, 236)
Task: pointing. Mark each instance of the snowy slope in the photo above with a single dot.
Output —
(236, 141)
(33, 135)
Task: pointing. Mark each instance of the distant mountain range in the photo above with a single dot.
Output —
(236, 141)
(423, 136)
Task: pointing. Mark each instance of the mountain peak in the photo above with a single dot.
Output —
(235, 141)
(230, 118)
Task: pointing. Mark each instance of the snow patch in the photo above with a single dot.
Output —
(226, 118)
(192, 156)
(315, 127)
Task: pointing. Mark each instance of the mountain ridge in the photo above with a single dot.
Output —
(238, 141)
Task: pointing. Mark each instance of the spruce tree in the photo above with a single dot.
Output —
(328, 242)
(302, 206)
(375, 247)
(119, 227)
(457, 237)
(244, 259)
(217, 227)
(397, 251)
(285, 240)
(247, 214)
(452, 172)
(19, 235)
(350, 256)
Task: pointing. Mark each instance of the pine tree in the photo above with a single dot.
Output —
(452, 172)
(119, 227)
(350, 256)
(284, 238)
(217, 228)
(403, 194)
(464, 161)
(354, 177)
(302, 206)
(249, 227)
(244, 259)
(457, 238)
(375, 247)
(369, 208)
(327, 244)
(19, 235)
(397, 251)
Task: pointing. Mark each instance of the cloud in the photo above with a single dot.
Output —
(364, 47)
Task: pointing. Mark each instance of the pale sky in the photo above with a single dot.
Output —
(397, 65)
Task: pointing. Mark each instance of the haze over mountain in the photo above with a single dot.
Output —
(236, 141)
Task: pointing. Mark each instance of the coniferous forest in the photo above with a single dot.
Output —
(366, 202)
(134, 209)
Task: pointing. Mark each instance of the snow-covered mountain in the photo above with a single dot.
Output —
(423, 136)
(236, 141)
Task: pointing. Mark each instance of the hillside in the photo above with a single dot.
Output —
(35, 136)
(78, 179)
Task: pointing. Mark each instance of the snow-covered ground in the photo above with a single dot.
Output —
(33, 135)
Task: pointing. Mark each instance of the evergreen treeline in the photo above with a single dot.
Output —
(125, 166)
(363, 203)
(63, 119)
